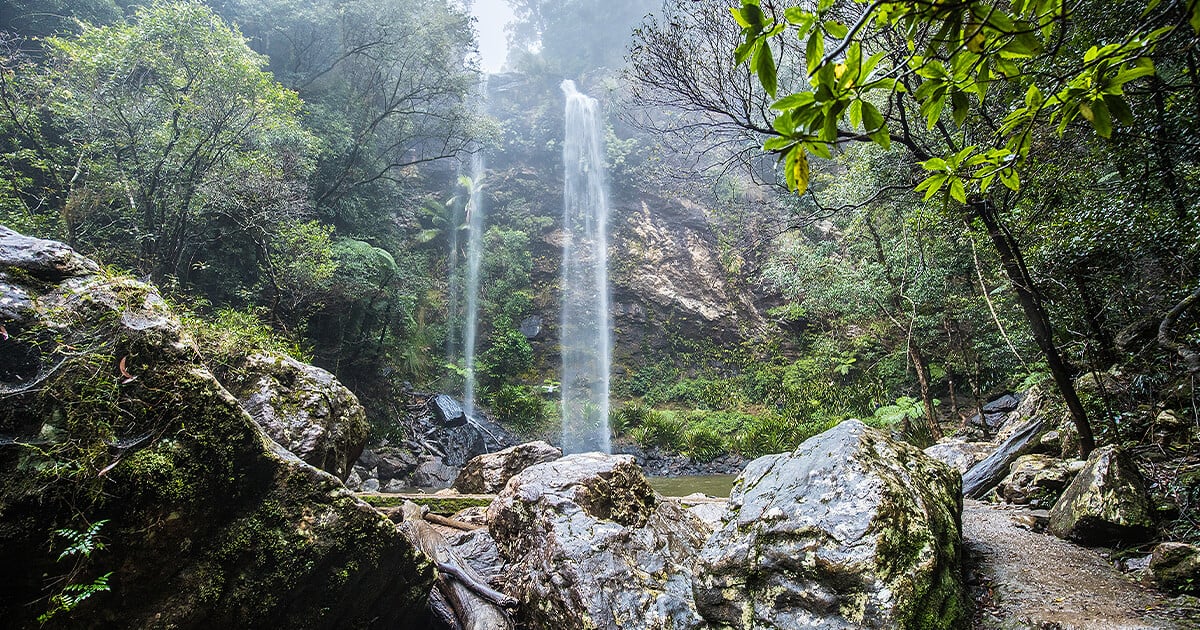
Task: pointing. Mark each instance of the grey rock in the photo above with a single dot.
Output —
(47, 260)
(303, 408)
(1175, 567)
(487, 474)
(589, 545)
(531, 327)
(432, 472)
(394, 463)
(958, 454)
(394, 486)
(850, 530)
(1035, 480)
(480, 551)
(370, 485)
(984, 476)
(1106, 503)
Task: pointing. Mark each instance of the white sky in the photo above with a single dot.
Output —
(492, 16)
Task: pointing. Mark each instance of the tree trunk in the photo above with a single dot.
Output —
(475, 605)
(922, 368)
(1039, 321)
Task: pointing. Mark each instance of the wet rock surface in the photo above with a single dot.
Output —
(984, 476)
(209, 523)
(1036, 480)
(589, 545)
(303, 408)
(961, 455)
(852, 529)
(1106, 503)
(487, 474)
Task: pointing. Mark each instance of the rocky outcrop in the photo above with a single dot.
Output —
(207, 522)
(851, 530)
(589, 545)
(1175, 567)
(1106, 503)
(487, 474)
(1036, 480)
(303, 408)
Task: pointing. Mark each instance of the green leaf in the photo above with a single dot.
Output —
(814, 50)
(764, 66)
(1119, 109)
(1100, 118)
(854, 113)
(872, 119)
(777, 143)
(958, 191)
(961, 107)
(836, 29)
(793, 101)
(1010, 178)
(797, 170)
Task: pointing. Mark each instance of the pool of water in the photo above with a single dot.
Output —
(712, 485)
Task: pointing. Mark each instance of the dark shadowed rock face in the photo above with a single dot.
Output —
(303, 408)
(208, 524)
(589, 545)
(487, 474)
(1106, 503)
(851, 530)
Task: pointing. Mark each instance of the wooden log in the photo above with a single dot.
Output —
(476, 605)
(438, 519)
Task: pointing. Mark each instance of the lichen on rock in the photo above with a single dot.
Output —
(208, 522)
(850, 530)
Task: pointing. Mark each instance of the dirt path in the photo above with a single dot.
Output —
(1032, 580)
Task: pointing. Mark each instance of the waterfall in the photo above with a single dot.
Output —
(475, 215)
(586, 337)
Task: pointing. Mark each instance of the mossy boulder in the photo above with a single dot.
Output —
(1175, 567)
(850, 530)
(1107, 502)
(206, 522)
(1035, 480)
(303, 408)
(587, 544)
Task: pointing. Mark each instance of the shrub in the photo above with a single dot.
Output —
(663, 429)
(630, 416)
(520, 407)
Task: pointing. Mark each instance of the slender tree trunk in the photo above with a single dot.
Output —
(922, 368)
(1039, 321)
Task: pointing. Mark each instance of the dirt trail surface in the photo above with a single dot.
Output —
(1031, 580)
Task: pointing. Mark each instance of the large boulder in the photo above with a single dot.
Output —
(1175, 567)
(487, 474)
(589, 545)
(1036, 480)
(303, 408)
(1106, 503)
(207, 522)
(850, 530)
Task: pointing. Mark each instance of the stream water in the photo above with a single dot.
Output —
(712, 485)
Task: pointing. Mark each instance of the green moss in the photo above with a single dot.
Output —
(437, 504)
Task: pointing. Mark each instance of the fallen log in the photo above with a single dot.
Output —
(438, 519)
(475, 604)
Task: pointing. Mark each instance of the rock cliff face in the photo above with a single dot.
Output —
(109, 415)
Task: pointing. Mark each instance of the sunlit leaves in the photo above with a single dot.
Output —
(960, 51)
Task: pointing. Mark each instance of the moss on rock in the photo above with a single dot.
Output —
(208, 522)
